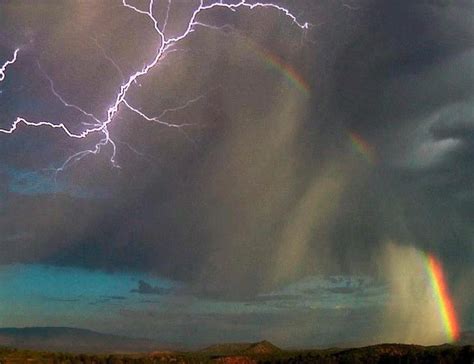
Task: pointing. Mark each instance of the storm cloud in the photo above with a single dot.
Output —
(266, 185)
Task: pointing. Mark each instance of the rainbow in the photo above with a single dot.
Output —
(444, 301)
(276, 63)
(362, 147)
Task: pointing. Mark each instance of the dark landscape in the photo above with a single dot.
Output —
(74, 346)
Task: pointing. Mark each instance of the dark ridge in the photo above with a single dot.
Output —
(69, 339)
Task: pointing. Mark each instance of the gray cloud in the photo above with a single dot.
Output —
(147, 288)
(115, 297)
(343, 290)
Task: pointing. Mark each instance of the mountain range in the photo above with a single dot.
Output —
(74, 340)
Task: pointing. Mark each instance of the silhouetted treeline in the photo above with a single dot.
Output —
(385, 354)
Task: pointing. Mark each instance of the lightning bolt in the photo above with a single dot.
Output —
(8, 63)
(167, 45)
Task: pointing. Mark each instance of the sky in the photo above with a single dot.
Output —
(279, 176)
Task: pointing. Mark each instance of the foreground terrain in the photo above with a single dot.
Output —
(262, 352)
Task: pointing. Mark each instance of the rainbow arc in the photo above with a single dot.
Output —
(443, 298)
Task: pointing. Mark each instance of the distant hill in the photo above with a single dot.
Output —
(226, 348)
(73, 340)
(466, 338)
(261, 347)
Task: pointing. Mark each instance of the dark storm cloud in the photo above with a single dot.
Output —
(147, 288)
(265, 187)
(403, 64)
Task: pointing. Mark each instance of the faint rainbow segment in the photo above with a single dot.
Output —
(275, 62)
(362, 147)
(279, 65)
(443, 298)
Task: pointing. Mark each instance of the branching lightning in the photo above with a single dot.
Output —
(167, 45)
